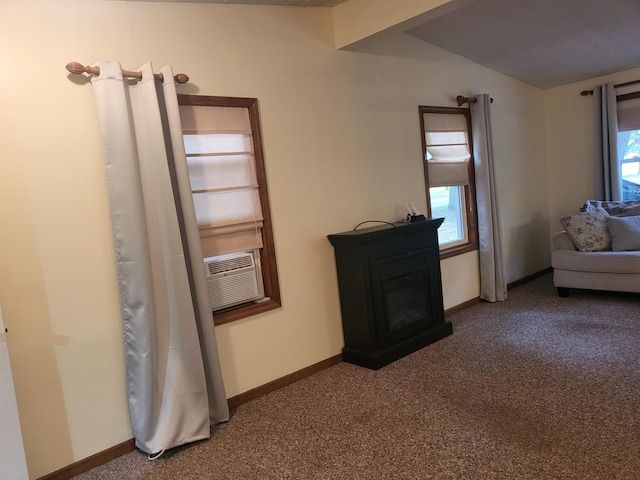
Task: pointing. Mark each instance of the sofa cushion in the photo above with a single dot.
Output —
(604, 262)
(616, 208)
(561, 241)
(588, 230)
(597, 280)
(625, 233)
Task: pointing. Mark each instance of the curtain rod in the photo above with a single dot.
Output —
(75, 67)
(462, 100)
(584, 93)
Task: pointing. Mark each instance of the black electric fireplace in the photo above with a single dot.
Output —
(390, 291)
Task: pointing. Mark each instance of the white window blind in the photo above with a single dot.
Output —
(448, 150)
(629, 115)
(219, 146)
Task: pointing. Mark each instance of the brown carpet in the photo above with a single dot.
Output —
(537, 387)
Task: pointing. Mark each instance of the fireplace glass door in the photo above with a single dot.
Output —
(404, 296)
(406, 306)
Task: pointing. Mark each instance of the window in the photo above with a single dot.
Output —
(629, 144)
(223, 144)
(448, 170)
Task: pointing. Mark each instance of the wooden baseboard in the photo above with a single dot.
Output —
(461, 306)
(515, 283)
(284, 381)
(93, 461)
(528, 278)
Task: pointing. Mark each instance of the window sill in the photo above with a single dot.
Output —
(243, 311)
(458, 250)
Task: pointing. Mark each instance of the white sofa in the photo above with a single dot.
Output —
(615, 267)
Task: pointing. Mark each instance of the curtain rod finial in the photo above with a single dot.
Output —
(75, 67)
(462, 100)
(584, 93)
(181, 78)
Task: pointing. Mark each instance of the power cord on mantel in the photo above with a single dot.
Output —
(404, 244)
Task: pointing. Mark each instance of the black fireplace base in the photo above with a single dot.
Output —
(377, 359)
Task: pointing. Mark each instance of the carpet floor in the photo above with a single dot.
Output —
(537, 387)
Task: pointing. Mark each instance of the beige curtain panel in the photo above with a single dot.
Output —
(173, 376)
(493, 283)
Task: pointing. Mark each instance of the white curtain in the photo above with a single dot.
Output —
(174, 382)
(493, 286)
(611, 179)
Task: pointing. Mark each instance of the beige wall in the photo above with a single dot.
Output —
(342, 145)
(573, 148)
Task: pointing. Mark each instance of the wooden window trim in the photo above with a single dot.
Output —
(469, 190)
(267, 252)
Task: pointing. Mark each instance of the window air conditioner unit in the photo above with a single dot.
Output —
(231, 280)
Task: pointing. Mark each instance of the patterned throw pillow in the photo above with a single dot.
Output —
(588, 230)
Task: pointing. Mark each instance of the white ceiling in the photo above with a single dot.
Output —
(545, 43)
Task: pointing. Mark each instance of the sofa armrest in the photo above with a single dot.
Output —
(561, 241)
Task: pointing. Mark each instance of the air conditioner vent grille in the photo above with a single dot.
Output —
(232, 280)
(230, 264)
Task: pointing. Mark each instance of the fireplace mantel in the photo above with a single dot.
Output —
(390, 291)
